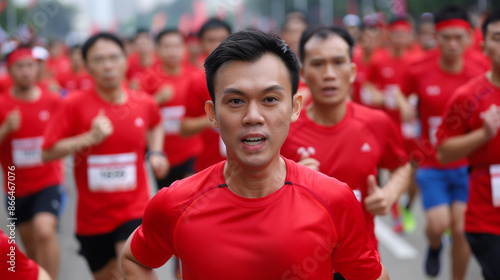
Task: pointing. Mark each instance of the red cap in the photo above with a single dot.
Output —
(400, 25)
(453, 23)
(18, 54)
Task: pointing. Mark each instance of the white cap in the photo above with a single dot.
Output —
(351, 20)
(40, 53)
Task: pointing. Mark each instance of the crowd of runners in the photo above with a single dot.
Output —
(267, 151)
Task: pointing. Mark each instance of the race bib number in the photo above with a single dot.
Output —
(27, 152)
(171, 118)
(112, 173)
(434, 123)
(495, 184)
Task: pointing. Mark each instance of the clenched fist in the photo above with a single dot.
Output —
(101, 128)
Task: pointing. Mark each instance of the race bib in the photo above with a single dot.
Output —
(112, 173)
(390, 97)
(434, 123)
(411, 130)
(171, 119)
(495, 184)
(27, 152)
(365, 95)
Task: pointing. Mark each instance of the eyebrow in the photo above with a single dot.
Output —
(232, 90)
(335, 57)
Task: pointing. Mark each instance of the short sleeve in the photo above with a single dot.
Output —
(454, 118)
(354, 256)
(61, 125)
(152, 242)
(394, 154)
(154, 113)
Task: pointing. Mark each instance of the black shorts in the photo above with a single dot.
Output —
(178, 172)
(98, 250)
(486, 249)
(51, 200)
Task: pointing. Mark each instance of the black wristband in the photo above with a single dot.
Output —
(150, 153)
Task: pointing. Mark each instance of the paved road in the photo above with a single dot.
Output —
(401, 254)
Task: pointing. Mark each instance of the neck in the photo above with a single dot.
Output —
(171, 69)
(451, 65)
(255, 182)
(366, 55)
(145, 59)
(76, 68)
(326, 115)
(114, 95)
(397, 52)
(26, 93)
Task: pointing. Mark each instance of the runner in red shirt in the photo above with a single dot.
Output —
(251, 193)
(15, 264)
(57, 62)
(168, 82)
(143, 57)
(36, 193)
(77, 77)
(470, 129)
(332, 134)
(444, 187)
(107, 129)
(196, 121)
(45, 80)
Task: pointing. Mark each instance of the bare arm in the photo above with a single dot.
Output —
(191, 126)
(380, 200)
(407, 111)
(11, 123)
(132, 268)
(155, 138)
(157, 159)
(384, 275)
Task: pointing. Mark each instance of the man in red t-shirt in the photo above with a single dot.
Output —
(444, 187)
(333, 134)
(107, 129)
(14, 263)
(196, 121)
(470, 128)
(168, 83)
(256, 215)
(76, 78)
(143, 57)
(34, 191)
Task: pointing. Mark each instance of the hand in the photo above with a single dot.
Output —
(377, 201)
(491, 121)
(13, 120)
(101, 128)
(164, 94)
(408, 113)
(308, 161)
(159, 164)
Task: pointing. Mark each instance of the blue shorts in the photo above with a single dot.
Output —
(443, 186)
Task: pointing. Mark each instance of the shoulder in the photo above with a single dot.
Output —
(368, 115)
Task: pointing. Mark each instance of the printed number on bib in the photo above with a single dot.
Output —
(495, 184)
(171, 118)
(112, 173)
(27, 152)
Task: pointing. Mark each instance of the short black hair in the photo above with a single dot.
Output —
(323, 32)
(251, 45)
(141, 31)
(101, 36)
(493, 17)
(165, 32)
(213, 23)
(451, 12)
(74, 48)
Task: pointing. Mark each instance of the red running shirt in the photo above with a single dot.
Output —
(23, 148)
(308, 228)
(463, 115)
(434, 87)
(351, 150)
(110, 177)
(24, 269)
(178, 149)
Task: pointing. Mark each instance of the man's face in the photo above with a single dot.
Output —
(253, 109)
(171, 49)
(24, 73)
(328, 69)
(401, 38)
(76, 58)
(292, 33)
(452, 42)
(491, 45)
(212, 38)
(106, 63)
(370, 39)
(426, 35)
(143, 43)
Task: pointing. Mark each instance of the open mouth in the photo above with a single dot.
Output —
(330, 90)
(253, 141)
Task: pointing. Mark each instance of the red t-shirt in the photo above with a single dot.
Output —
(135, 68)
(463, 115)
(21, 268)
(56, 65)
(384, 71)
(5, 83)
(434, 87)
(70, 80)
(23, 148)
(178, 149)
(110, 177)
(310, 227)
(214, 150)
(363, 133)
